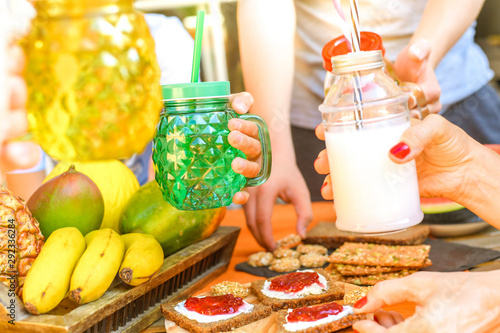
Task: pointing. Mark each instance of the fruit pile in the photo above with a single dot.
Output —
(86, 266)
(81, 210)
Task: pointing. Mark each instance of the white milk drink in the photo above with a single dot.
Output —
(372, 194)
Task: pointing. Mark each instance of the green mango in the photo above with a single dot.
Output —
(147, 212)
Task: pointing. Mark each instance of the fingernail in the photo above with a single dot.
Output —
(316, 127)
(324, 184)
(240, 106)
(359, 304)
(237, 139)
(417, 52)
(401, 150)
(235, 124)
(241, 164)
(376, 320)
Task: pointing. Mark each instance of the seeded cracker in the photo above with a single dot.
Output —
(355, 270)
(230, 287)
(371, 280)
(355, 295)
(380, 255)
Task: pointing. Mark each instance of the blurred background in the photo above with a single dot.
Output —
(221, 58)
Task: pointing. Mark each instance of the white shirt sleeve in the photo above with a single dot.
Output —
(174, 48)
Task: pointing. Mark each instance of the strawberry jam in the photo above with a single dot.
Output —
(214, 305)
(295, 282)
(313, 313)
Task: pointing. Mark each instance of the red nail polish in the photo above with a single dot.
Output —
(359, 304)
(376, 320)
(401, 150)
(323, 186)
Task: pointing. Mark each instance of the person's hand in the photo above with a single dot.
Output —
(446, 302)
(443, 152)
(412, 65)
(13, 121)
(287, 183)
(244, 136)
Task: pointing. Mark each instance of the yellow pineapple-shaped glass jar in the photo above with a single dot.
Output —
(93, 79)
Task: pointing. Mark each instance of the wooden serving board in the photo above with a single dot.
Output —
(265, 325)
(123, 308)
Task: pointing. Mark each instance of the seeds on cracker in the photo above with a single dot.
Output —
(285, 265)
(371, 280)
(285, 253)
(353, 270)
(289, 241)
(230, 287)
(380, 255)
(355, 295)
(313, 260)
(311, 248)
(260, 259)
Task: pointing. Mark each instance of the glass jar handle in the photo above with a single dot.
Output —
(265, 143)
(416, 92)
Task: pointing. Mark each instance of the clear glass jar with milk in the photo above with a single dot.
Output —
(364, 115)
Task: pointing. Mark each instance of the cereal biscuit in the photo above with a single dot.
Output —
(289, 241)
(313, 260)
(285, 265)
(371, 280)
(285, 253)
(260, 259)
(230, 287)
(310, 248)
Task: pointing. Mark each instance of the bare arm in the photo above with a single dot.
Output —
(444, 22)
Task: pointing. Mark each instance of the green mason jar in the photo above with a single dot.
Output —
(191, 153)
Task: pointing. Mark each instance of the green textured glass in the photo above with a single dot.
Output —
(192, 156)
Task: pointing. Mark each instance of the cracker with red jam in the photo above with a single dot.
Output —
(226, 312)
(297, 289)
(327, 317)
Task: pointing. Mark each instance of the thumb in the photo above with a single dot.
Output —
(391, 292)
(417, 137)
(419, 50)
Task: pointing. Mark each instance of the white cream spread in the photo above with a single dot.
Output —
(245, 308)
(302, 325)
(314, 289)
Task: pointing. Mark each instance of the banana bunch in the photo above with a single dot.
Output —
(143, 258)
(48, 279)
(86, 266)
(98, 265)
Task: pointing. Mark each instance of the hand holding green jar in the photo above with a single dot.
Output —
(191, 152)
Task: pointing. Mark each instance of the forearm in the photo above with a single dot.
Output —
(481, 189)
(444, 22)
(266, 31)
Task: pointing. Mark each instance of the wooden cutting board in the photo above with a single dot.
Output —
(264, 325)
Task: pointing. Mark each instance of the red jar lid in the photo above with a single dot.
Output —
(370, 41)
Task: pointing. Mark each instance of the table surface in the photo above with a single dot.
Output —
(284, 224)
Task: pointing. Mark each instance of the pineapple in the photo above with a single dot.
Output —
(20, 240)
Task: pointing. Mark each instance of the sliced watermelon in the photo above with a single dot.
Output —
(438, 205)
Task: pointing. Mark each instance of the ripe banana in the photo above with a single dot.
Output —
(97, 267)
(48, 279)
(143, 258)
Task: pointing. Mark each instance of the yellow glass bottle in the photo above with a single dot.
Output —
(93, 79)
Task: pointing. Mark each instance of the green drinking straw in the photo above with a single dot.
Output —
(195, 68)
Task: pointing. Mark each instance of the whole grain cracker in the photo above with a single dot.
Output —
(380, 255)
(289, 241)
(285, 253)
(355, 295)
(371, 280)
(313, 260)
